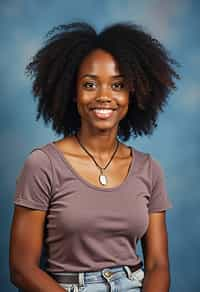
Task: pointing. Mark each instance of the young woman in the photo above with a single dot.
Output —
(89, 197)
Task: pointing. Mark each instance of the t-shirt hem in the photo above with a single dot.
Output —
(160, 209)
(28, 204)
(84, 269)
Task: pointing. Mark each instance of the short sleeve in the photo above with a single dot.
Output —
(34, 183)
(159, 200)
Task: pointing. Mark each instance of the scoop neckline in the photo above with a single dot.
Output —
(87, 183)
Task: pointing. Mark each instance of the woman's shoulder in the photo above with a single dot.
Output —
(38, 157)
(153, 161)
(65, 145)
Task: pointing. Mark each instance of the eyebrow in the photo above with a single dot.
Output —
(96, 77)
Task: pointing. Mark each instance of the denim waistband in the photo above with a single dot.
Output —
(100, 275)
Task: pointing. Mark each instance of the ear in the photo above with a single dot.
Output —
(74, 99)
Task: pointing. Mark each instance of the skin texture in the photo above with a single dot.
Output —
(96, 87)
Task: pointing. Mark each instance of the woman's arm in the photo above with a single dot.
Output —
(25, 250)
(155, 251)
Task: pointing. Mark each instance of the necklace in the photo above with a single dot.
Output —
(102, 177)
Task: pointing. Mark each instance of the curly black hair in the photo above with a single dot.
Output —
(142, 59)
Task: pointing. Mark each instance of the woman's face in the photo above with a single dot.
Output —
(102, 95)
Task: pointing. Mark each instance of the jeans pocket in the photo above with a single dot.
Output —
(138, 276)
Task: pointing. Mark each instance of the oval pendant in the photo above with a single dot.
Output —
(103, 179)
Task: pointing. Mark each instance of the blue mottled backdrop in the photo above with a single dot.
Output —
(175, 142)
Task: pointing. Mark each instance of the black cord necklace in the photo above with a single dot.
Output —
(102, 177)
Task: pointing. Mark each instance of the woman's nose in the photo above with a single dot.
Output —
(103, 93)
(103, 98)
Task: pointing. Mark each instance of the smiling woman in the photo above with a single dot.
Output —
(89, 197)
(102, 97)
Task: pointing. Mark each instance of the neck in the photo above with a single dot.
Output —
(101, 145)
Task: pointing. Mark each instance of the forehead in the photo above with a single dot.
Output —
(97, 62)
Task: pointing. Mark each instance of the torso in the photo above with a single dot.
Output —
(84, 166)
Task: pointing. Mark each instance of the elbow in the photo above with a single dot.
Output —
(15, 272)
(159, 263)
(16, 277)
(19, 275)
(163, 265)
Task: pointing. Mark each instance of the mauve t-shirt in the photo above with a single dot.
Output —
(88, 227)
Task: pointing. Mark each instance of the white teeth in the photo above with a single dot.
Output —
(103, 111)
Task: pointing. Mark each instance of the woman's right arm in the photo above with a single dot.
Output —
(26, 241)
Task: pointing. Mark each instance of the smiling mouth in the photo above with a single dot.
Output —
(103, 113)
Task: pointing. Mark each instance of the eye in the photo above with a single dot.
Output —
(118, 85)
(89, 85)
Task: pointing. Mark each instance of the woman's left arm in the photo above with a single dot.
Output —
(155, 251)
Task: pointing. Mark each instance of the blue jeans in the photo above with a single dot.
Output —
(114, 279)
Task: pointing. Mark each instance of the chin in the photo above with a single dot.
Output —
(105, 128)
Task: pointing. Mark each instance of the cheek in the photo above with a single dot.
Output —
(124, 102)
(123, 98)
(125, 105)
(84, 97)
(82, 101)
